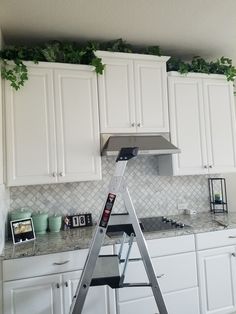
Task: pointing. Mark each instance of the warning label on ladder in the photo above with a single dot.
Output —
(107, 210)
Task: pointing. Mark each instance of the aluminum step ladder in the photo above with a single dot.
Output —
(110, 269)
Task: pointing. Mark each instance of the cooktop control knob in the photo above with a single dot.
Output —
(173, 222)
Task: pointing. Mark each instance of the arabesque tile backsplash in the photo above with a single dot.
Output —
(151, 194)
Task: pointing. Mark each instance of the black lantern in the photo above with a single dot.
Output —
(218, 196)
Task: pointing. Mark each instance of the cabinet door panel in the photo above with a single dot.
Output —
(187, 125)
(30, 130)
(97, 300)
(175, 271)
(116, 96)
(77, 126)
(180, 302)
(151, 96)
(217, 280)
(221, 130)
(37, 295)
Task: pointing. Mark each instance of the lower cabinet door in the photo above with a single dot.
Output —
(217, 280)
(180, 302)
(39, 295)
(100, 300)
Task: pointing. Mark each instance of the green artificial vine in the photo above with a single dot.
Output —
(199, 65)
(75, 53)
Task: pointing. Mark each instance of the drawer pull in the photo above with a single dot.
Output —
(60, 263)
(162, 275)
(232, 237)
(66, 284)
(57, 285)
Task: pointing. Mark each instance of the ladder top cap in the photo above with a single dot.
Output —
(127, 153)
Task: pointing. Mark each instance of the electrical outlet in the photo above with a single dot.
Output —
(182, 206)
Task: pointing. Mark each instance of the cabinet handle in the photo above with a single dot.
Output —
(54, 174)
(232, 237)
(205, 166)
(133, 125)
(58, 285)
(61, 174)
(60, 263)
(139, 125)
(162, 275)
(66, 284)
(233, 254)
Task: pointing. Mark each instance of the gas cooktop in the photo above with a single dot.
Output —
(162, 223)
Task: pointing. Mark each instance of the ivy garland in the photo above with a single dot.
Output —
(75, 53)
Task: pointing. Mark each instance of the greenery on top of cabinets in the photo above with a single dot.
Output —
(76, 53)
(200, 65)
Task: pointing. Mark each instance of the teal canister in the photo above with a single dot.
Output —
(40, 221)
(54, 223)
(18, 214)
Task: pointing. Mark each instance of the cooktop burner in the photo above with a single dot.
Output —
(161, 223)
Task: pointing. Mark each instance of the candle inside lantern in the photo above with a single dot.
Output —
(217, 198)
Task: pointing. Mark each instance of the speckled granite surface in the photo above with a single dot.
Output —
(81, 238)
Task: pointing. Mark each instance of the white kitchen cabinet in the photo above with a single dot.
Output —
(52, 126)
(217, 280)
(202, 123)
(28, 281)
(35, 295)
(174, 261)
(133, 93)
(100, 300)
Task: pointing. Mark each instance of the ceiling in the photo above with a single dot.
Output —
(181, 27)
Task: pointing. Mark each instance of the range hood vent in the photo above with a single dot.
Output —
(147, 144)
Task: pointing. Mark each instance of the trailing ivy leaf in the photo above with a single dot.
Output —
(97, 63)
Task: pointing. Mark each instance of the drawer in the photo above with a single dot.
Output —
(215, 239)
(166, 246)
(46, 264)
(176, 272)
(184, 302)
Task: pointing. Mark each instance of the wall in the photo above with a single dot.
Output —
(4, 193)
(151, 194)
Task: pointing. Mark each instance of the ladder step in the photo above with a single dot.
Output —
(106, 271)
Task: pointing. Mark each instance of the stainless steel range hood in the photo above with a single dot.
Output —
(147, 144)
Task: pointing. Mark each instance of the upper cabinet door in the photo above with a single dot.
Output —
(116, 96)
(221, 125)
(133, 93)
(151, 96)
(187, 125)
(78, 144)
(30, 130)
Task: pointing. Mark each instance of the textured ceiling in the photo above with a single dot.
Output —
(180, 27)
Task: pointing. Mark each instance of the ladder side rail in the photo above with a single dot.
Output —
(98, 239)
(144, 251)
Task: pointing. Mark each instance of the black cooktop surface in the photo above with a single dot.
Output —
(151, 224)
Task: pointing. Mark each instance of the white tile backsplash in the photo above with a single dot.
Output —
(151, 194)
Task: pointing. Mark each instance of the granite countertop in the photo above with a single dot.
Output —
(80, 238)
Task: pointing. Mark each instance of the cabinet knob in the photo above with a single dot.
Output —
(139, 125)
(233, 254)
(205, 166)
(58, 285)
(61, 174)
(210, 166)
(66, 283)
(133, 125)
(54, 174)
